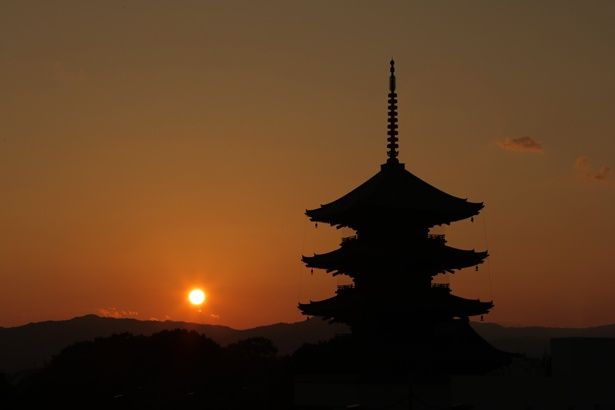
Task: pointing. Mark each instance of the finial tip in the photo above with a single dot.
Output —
(392, 76)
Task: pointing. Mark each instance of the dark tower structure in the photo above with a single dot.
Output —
(393, 307)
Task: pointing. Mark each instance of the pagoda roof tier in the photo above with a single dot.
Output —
(354, 258)
(351, 304)
(394, 195)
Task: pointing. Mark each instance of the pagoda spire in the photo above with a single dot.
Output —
(392, 120)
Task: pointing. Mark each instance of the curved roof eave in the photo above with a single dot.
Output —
(396, 189)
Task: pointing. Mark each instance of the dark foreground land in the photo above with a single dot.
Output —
(175, 369)
(151, 365)
(171, 369)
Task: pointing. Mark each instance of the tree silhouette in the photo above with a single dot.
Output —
(170, 369)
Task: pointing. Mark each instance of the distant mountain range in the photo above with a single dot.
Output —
(30, 346)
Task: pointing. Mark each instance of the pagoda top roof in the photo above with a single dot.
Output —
(394, 192)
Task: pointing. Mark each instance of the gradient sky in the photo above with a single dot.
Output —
(150, 146)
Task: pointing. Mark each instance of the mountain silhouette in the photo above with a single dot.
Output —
(32, 345)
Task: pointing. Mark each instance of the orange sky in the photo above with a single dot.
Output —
(150, 146)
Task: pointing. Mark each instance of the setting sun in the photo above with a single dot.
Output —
(196, 297)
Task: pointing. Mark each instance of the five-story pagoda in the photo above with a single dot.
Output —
(393, 305)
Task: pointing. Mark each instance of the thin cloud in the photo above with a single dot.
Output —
(521, 144)
(584, 168)
(117, 313)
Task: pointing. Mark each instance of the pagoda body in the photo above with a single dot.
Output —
(393, 304)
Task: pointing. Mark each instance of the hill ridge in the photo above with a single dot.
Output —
(31, 345)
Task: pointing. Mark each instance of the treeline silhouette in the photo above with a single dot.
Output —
(170, 369)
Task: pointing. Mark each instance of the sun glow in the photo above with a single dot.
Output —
(197, 297)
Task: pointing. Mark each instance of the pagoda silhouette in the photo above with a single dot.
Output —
(400, 319)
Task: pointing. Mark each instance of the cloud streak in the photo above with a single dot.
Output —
(521, 144)
(117, 313)
(584, 168)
